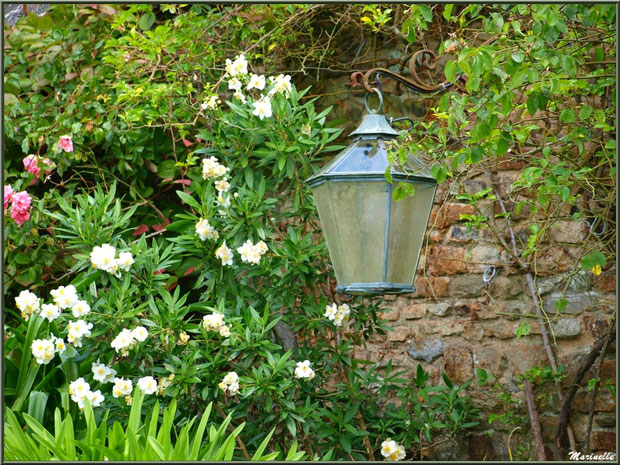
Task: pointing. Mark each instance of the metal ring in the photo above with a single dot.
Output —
(378, 92)
(489, 274)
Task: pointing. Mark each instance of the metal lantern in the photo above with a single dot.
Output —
(374, 241)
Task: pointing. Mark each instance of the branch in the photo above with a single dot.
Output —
(534, 420)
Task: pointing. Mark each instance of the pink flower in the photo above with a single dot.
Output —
(66, 143)
(8, 195)
(20, 204)
(31, 164)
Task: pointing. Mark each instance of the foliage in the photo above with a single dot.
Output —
(149, 438)
(138, 95)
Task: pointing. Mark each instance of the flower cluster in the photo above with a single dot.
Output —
(392, 450)
(103, 373)
(77, 330)
(230, 383)
(224, 253)
(205, 231)
(27, 302)
(337, 314)
(31, 164)
(66, 143)
(212, 168)
(20, 204)
(122, 387)
(252, 253)
(104, 258)
(303, 370)
(215, 322)
(44, 350)
(280, 84)
(80, 390)
(126, 339)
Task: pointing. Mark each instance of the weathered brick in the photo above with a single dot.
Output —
(572, 232)
(506, 287)
(467, 285)
(446, 260)
(451, 213)
(576, 303)
(460, 234)
(595, 325)
(451, 327)
(604, 401)
(391, 314)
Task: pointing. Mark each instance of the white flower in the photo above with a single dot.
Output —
(125, 260)
(79, 389)
(230, 383)
(122, 387)
(222, 185)
(225, 254)
(225, 331)
(183, 338)
(100, 371)
(223, 200)
(103, 258)
(77, 330)
(234, 84)
(65, 297)
(140, 333)
(262, 247)
(28, 303)
(249, 252)
(392, 451)
(239, 66)
(256, 82)
(148, 385)
(43, 350)
(262, 108)
(205, 230)
(330, 311)
(303, 370)
(239, 96)
(123, 341)
(95, 398)
(59, 345)
(342, 314)
(211, 168)
(211, 103)
(80, 308)
(281, 84)
(213, 322)
(50, 311)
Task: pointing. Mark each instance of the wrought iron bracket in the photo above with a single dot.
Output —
(428, 60)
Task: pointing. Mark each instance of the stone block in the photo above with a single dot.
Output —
(460, 234)
(577, 283)
(604, 401)
(389, 314)
(566, 328)
(451, 327)
(399, 334)
(451, 213)
(595, 325)
(605, 420)
(603, 441)
(572, 232)
(446, 260)
(481, 447)
(458, 363)
(469, 186)
(441, 309)
(576, 303)
(467, 285)
(414, 311)
(506, 287)
(427, 350)
(431, 286)
(500, 329)
(606, 281)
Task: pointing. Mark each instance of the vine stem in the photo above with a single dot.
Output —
(537, 305)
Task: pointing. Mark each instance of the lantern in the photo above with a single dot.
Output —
(374, 241)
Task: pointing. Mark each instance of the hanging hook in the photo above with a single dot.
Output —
(489, 274)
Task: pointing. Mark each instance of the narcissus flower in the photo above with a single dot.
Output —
(122, 387)
(391, 450)
(50, 312)
(43, 350)
(80, 308)
(65, 296)
(28, 303)
(262, 108)
(256, 82)
(281, 84)
(103, 373)
(234, 84)
(205, 231)
(224, 253)
(230, 383)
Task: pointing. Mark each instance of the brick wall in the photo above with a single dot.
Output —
(456, 323)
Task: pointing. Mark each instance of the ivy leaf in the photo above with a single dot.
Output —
(427, 13)
(567, 116)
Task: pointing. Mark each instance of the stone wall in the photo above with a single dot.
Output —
(456, 323)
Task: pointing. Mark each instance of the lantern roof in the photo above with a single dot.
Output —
(366, 158)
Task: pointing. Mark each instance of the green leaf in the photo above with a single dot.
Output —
(427, 13)
(592, 259)
(517, 57)
(146, 21)
(567, 116)
(166, 169)
(450, 70)
(532, 103)
(585, 112)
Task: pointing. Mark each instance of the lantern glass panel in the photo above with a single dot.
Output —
(353, 216)
(408, 221)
